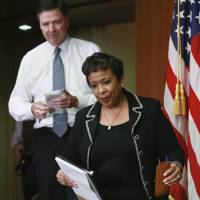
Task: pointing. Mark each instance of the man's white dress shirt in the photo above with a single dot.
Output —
(35, 79)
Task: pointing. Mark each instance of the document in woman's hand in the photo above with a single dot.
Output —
(85, 187)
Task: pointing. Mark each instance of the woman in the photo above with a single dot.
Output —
(121, 137)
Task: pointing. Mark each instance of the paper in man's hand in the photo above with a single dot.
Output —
(52, 96)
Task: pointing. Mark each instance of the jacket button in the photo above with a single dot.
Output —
(140, 153)
(143, 167)
(137, 137)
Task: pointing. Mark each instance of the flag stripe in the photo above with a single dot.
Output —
(194, 167)
(171, 81)
(195, 48)
(173, 68)
(194, 137)
(192, 194)
(178, 192)
(179, 125)
(179, 137)
(195, 76)
(194, 105)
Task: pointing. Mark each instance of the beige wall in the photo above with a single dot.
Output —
(118, 40)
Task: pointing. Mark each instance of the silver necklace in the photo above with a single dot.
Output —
(110, 123)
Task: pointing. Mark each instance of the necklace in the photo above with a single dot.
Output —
(110, 123)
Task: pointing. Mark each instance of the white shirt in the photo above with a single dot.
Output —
(35, 79)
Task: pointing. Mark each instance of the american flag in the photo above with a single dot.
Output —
(187, 128)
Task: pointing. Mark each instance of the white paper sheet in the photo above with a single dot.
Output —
(86, 188)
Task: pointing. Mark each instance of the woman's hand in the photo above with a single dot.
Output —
(173, 175)
(65, 180)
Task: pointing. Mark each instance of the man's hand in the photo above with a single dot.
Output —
(18, 148)
(66, 101)
(39, 110)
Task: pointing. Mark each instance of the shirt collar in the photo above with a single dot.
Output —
(63, 46)
(50, 48)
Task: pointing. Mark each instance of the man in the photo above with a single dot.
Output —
(21, 143)
(39, 73)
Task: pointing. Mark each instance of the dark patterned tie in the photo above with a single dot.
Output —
(59, 119)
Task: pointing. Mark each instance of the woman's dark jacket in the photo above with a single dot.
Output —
(151, 134)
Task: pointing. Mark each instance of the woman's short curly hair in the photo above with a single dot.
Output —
(102, 61)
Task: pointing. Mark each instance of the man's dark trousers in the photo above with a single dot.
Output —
(46, 146)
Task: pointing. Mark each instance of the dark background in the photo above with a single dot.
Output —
(83, 13)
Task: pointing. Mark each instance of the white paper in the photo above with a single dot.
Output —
(50, 96)
(86, 188)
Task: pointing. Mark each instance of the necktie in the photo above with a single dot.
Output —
(59, 119)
